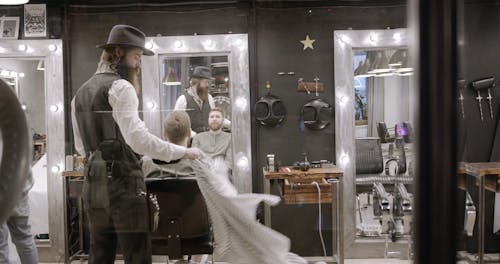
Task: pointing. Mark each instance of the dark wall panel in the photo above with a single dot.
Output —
(278, 49)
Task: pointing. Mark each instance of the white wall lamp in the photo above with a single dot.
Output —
(22, 47)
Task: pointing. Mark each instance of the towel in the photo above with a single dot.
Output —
(239, 237)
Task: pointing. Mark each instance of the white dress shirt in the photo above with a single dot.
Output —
(125, 104)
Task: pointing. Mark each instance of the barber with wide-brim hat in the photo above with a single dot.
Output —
(109, 133)
(197, 102)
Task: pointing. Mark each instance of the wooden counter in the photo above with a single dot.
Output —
(490, 171)
(297, 188)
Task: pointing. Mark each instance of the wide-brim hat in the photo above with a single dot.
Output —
(128, 36)
(202, 72)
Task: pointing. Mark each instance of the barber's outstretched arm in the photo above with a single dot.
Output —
(193, 153)
(124, 102)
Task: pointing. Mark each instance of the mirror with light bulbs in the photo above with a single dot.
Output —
(166, 76)
(34, 69)
(373, 86)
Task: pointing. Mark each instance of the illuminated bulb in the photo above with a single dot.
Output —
(21, 74)
(343, 100)
(226, 79)
(52, 47)
(150, 105)
(344, 38)
(149, 45)
(397, 36)
(55, 169)
(373, 37)
(241, 103)
(208, 43)
(22, 47)
(238, 42)
(344, 159)
(178, 43)
(23, 106)
(242, 163)
(54, 108)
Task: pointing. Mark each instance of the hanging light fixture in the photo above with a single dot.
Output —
(171, 79)
(381, 64)
(13, 2)
(405, 66)
(396, 59)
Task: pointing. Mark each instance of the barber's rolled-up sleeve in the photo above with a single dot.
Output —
(124, 102)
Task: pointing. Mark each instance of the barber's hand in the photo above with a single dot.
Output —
(193, 153)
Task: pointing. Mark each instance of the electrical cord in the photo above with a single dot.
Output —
(319, 219)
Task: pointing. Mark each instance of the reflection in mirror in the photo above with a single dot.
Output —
(29, 83)
(374, 116)
(38, 69)
(177, 74)
(382, 85)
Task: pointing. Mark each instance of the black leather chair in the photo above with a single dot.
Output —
(369, 162)
(183, 227)
(383, 133)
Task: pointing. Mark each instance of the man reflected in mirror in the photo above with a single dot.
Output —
(197, 101)
(215, 143)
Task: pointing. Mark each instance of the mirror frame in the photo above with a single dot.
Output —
(345, 42)
(55, 249)
(235, 46)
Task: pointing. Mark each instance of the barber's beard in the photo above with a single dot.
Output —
(129, 74)
(202, 92)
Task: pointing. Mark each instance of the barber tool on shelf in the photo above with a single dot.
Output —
(303, 86)
(316, 81)
(484, 84)
(290, 73)
(271, 165)
(461, 84)
(303, 165)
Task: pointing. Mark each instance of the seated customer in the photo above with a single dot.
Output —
(177, 130)
(215, 142)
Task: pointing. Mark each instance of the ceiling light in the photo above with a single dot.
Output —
(13, 2)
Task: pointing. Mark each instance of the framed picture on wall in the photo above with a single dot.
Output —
(9, 27)
(35, 20)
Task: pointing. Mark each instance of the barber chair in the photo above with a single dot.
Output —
(179, 217)
(383, 133)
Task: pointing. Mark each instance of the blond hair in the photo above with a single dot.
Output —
(176, 127)
(112, 55)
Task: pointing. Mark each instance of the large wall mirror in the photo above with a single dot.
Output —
(34, 69)
(374, 134)
(167, 74)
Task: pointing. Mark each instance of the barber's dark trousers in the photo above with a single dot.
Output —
(125, 222)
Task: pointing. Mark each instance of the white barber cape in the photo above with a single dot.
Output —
(239, 237)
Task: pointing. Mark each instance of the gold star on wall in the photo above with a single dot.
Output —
(308, 43)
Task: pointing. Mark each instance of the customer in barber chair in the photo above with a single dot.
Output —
(239, 237)
(215, 143)
(176, 130)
